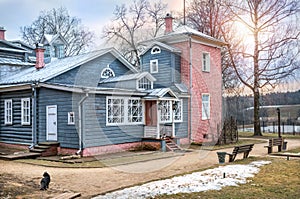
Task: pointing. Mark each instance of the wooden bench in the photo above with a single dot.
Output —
(240, 149)
(275, 142)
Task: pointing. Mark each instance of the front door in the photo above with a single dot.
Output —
(51, 123)
(151, 113)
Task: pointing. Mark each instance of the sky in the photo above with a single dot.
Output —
(93, 13)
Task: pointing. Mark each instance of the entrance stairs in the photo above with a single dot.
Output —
(45, 148)
(171, 145)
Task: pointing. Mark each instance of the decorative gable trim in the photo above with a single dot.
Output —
(161, 45)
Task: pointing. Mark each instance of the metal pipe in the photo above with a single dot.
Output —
(34, 116)
(80, 122)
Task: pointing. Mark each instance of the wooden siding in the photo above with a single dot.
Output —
(15, 133)
(165, 74)
(96, 133)
(181, 128)
(67, 135)
(89, 74)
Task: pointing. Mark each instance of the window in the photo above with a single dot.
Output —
(165, 111)
(205, 106)
(177, 107)
(155, 50)
(121, 110)
(8, 111)
(107, 72)
(71, 118)
(206, 62)
(144, 84)
(154, 66)
(25, 111)
(59, 51)
(135, 111)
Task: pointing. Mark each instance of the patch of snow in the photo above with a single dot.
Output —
(212, 179)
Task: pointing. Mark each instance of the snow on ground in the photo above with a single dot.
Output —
(212, 179)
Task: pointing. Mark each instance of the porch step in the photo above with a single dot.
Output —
(23, 155)
(172, 146)
(46, 148)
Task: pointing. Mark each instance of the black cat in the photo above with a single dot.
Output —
(45, 181)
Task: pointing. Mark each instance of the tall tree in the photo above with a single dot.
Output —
(56, 21)
(131, 25)
(266, 47)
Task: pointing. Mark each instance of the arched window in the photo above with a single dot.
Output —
(107, 72)
(155, 50)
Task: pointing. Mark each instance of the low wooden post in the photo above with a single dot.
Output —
(278, 115)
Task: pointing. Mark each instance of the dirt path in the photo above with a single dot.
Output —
(94, 181)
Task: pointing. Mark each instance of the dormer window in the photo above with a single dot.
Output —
(144, 84)
(59, 51)
(107, 72)
(155, 50)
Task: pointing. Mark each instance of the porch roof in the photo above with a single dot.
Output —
(161, 94)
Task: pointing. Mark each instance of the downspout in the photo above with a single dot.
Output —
(80, 122)
(34, 116)
(191, 84)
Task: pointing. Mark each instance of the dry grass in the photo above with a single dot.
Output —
(277, 180)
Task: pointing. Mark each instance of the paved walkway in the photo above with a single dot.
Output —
(94, 181)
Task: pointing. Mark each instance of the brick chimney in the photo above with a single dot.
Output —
(169, 23)
(2, 33)
(39, 52)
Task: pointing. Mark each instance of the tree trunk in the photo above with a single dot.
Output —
(257, 130)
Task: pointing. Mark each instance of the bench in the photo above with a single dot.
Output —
(275, 142)
(240, 149)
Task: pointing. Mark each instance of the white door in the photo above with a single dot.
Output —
(51, 123)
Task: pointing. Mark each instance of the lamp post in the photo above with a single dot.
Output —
(278, 115)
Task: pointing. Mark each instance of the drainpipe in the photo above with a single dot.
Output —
(34, 111)
(80, 122)
(191, 84)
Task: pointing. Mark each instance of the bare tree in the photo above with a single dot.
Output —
(269, 50)
(131, 25)
(59, 21)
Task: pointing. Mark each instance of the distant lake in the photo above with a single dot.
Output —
(271, 129)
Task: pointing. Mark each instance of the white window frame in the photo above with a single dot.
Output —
(107, 68)
(139, 108)
(124, 116)
(153, 50)
(206, 62)
(71, 118)
(25, 111)
(8, 112)
(143, 83)
(151, 65)
(205, 107)
(179, 113)
(165, 107)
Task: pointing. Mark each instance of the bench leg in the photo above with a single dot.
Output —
(279, 148)
(270, 150)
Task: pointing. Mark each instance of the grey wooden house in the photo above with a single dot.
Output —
(92, 103)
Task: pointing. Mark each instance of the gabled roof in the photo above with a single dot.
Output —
(165, 46)
(23, 44)
(160, 93)
(61, 66)
(51, 38)
(134, 76)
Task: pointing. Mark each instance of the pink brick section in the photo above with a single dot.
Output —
(109, 149)
(203, 83)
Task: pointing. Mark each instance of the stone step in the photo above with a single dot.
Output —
(35, 150)
(20, 155)
(41, 147)
(67, 196)
(48, 143)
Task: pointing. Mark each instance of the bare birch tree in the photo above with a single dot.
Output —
(56, 21)
(265, 48)
(131, 25)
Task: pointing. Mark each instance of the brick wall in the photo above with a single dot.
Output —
(203, 82)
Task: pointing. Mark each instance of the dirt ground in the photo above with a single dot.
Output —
(19, 180)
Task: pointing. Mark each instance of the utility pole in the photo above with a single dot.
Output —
(278, 114)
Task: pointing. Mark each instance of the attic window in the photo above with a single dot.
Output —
(144, 84)
(107, 72)
(155, 50)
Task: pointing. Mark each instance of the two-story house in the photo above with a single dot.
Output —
(97, 102)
